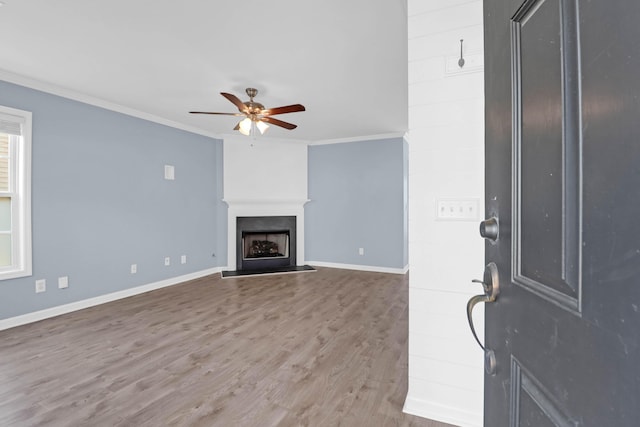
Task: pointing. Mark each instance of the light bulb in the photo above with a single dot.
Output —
(245, 126)
(262, 127)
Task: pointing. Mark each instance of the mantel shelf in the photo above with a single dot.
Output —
(231, 202)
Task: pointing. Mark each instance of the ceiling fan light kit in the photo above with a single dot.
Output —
(256, 116)
(262, 127)
(247, 126)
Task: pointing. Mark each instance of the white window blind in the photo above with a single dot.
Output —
(11, 125)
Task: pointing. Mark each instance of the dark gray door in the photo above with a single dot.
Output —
(562, 84)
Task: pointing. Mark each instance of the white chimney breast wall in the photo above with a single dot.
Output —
(264, 169)
(264, 177)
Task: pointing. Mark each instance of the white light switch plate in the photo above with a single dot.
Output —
(169, 172)
(457, 209)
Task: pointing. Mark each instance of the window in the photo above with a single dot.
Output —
(15, 193)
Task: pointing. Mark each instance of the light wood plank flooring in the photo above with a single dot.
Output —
(327, 348)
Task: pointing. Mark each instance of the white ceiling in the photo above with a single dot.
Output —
(346, 61)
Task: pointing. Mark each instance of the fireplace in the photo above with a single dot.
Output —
(265, 242)
(264, 215)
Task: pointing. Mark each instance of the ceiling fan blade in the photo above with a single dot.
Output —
(237, 126)
(283, 110)
(280, 123)
(210, 112)
(235, 100)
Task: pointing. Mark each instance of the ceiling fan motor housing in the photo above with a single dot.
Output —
(253, 107)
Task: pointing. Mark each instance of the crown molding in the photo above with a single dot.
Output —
(359, 138)
(97, 102)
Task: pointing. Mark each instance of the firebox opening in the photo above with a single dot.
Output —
(271, 244)
(265, 242)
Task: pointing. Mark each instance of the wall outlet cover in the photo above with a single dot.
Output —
(41, 285)
(63, 282)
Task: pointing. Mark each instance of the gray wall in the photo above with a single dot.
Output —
(358, 200)
(100, 203)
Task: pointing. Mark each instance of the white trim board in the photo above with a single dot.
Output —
(358, 138)
(437, 412)
(359, 267)
(80, 305)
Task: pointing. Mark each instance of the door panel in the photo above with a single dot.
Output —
(539, 165)
(562, 161)
(545, 87)
(531, 404)
(536, 416)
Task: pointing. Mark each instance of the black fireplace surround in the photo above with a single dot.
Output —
(269, 255)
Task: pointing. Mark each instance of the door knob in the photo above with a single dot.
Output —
(489, 229)
(491, 285)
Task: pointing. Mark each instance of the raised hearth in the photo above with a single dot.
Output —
(282, 270)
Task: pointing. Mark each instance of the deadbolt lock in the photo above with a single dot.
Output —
(489, 229)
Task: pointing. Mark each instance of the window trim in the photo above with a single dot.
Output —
(20, 191)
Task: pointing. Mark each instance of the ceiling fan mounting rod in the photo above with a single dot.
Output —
(253, 108)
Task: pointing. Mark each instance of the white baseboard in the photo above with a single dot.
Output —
(437, 412)
(79, 305)
(359, 267)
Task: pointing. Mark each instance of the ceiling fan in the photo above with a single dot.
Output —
(255, 114)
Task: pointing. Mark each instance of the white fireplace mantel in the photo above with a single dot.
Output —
(264, 207)
(264, 177)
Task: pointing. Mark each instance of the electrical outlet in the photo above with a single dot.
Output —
(167, 261)
(361, 251)
(41, 286)
(183, 259)
(134, 268)
(63, 282)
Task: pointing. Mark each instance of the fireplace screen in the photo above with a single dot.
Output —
(272, 244)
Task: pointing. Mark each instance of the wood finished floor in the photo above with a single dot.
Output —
(326, 348)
